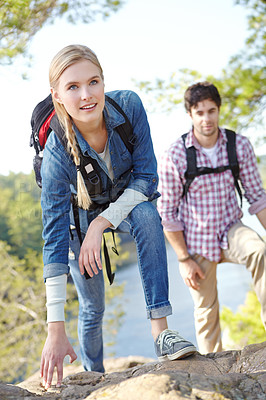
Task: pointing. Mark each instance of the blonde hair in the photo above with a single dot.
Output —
(70, 55)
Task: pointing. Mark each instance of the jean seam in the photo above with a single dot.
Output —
(139, 265)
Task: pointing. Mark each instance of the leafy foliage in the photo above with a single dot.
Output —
(242, 83)
(20, 20)
(256, 43)
(20, 212)
(245, 326)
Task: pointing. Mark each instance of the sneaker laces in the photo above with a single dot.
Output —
(169, 337)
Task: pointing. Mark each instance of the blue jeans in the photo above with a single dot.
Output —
(144, 225)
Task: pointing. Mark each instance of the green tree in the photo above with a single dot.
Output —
(5, 196)
(21, 19)
(242, 83)
(20, 213)
(245, 326)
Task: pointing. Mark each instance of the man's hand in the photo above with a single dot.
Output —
(189, 269)
(90, 252)
(191, 273)
(54, 351)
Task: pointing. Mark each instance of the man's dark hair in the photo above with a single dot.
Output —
(199, 92)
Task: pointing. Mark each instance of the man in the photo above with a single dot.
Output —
(204, 226)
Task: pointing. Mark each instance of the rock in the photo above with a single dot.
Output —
(239, 374)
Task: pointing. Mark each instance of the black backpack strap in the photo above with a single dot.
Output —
(232, 158)
(90, 171)
(59, 131)
(77, 225)
(125, 130)
(191, 171)
(110, 275)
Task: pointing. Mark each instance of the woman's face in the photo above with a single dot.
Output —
(81, 91)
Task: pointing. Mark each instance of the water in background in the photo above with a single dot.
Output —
(134, 337)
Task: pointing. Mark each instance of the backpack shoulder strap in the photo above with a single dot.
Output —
(231, 150)
(232, 158)
(191, 171)
(125, 130)
(58, 130)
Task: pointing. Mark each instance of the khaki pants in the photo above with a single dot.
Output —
(245, 247)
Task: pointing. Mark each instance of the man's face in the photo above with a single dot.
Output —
(205, 119)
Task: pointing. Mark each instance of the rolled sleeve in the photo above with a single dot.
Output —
(55, 269)
(249, 175)
(173, 226)
(258, 206)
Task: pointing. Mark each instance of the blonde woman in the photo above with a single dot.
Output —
(89, 123)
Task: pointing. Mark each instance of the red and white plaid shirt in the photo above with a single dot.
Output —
(211, 206)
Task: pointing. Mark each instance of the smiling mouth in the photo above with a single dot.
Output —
(88, 107)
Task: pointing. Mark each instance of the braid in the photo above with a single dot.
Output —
(84, 200)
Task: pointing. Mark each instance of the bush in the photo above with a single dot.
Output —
(245, 326)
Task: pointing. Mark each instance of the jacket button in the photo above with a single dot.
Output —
(154, 180)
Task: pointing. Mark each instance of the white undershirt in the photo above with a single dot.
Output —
(105, 156)
(212, 154)
(115, 213)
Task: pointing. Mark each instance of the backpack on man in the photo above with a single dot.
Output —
(193, 171)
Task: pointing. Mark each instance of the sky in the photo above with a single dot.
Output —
(144, 40)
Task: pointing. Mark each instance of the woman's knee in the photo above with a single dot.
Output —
(146, 214)
(92, 309)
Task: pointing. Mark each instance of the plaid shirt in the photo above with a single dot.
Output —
(212, 206)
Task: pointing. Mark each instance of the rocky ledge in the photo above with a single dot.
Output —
(227, 375)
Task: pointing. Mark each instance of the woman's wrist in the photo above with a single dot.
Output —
(101, 222)
(56, 327)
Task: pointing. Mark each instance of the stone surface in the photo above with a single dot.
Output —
(233, 375)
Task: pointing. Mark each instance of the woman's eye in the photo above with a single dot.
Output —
(94, 82)
(72, 87)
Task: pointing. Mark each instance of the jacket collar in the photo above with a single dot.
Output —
(112, 117)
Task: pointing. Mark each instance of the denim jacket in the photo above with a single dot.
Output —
(59, 176)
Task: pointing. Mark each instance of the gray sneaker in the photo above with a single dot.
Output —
(169, 345)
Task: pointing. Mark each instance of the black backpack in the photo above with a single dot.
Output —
(43, 121)
(193, 171)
